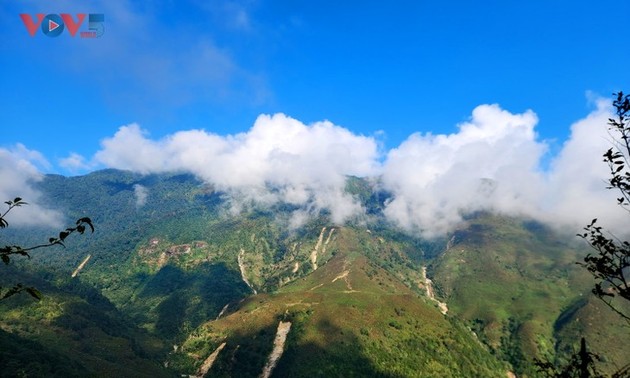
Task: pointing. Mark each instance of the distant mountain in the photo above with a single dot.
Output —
(177, 284)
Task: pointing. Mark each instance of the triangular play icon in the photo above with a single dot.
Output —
(52, 25)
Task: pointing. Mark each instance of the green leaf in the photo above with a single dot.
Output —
(6, 259)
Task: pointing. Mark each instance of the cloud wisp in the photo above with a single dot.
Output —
(141, 193)
(141, 51)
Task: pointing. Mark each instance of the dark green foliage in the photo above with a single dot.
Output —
(76, 326)
(611, 264)
(517, 284)
(188, 298)
(382, 329)
(581, 365)
(21, 357)
(569, 314)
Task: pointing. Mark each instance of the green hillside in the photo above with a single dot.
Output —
(349, 318)
(72, 332)
(516, 283)
(172, 278)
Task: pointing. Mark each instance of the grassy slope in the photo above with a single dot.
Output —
(350, 318)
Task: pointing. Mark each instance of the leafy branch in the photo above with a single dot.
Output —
(611, 264)
(12, 204)
(80, 227)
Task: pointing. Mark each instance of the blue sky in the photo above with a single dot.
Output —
(455, 106)
(393, 66)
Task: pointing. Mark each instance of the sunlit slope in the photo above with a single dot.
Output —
(349, 318)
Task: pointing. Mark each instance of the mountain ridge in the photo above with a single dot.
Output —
(171, 266)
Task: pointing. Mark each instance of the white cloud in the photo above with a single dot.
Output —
(491, 163)
(578, 177)
(19, 170)
(278, 159)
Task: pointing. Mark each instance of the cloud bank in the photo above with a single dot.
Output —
(278, 160)
(493, 162)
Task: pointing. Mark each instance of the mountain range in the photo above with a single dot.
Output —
(174, 282)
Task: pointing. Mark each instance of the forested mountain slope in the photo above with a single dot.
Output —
(173, 274)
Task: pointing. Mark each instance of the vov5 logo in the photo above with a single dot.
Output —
(52, 25)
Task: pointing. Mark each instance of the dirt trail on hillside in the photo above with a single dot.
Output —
(80, 267)
(241, 266)
(278, 348)
(428, 284)
(207, 364)
(342, 275)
